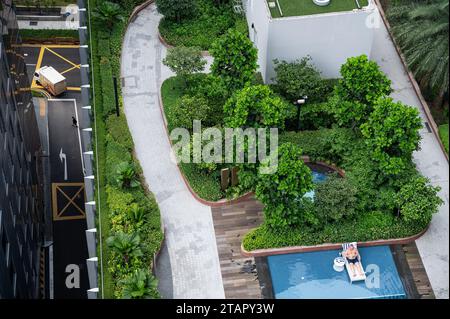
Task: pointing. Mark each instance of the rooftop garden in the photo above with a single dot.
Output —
(291, 8)
(350, 122)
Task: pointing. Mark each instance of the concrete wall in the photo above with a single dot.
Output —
(328, 38)
(258, 19)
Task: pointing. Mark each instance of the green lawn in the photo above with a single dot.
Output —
(306, 7)
(207, 186)
(443, 132)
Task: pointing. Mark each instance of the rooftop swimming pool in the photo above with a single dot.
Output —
(311, 276)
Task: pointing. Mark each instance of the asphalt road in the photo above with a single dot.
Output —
(70, 279)
(69, 221)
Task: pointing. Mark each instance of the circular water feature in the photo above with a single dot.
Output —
(322, 3)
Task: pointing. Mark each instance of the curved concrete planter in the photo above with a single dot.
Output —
(327, 246)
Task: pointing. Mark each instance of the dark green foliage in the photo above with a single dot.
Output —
(176, 10)
(235, 59)
(282, 191)
(107, 14)
(335, 199)
(361, 85)
(126, 176)
(392, 133)
(140, 285)
(297, 79)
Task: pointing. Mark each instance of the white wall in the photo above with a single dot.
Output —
(258, 16)
(328, 38)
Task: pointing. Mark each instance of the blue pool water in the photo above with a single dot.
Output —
(318, 177)
(311, 276)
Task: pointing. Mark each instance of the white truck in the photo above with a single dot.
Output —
(51, 80)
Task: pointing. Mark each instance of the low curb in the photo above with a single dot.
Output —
(328, 246)
(413, 81)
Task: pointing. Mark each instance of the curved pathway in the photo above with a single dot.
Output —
(433, 246)
(190, 238)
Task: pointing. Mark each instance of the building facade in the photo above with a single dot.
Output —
(21, 204)
(328, 38)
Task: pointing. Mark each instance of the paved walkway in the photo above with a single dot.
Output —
(190, 237)
(434, 245)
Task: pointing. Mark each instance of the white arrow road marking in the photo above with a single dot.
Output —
(63, 157)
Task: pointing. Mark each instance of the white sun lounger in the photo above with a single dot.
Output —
(358, 277)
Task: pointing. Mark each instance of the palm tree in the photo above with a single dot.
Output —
(107, 13)
(127, 245)
(421, 28)
(140, 285)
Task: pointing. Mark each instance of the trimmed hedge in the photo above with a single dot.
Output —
(43, 34)
(115, 145)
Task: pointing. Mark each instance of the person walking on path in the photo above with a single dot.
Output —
(74, 122)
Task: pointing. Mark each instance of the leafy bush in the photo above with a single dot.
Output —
(127, 245)
(235, 59)
(256, 106)
(126, 175)
(282, 191)
(297, 79)
(335, 199)
(140, 285)
(176, 9)
(361, 85)
(316, 115)
(187, 110)
(392, 133)
(417, 201)
(184, 61)
(209, 23)
(107, 13)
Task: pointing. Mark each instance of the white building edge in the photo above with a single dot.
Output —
(329, 38)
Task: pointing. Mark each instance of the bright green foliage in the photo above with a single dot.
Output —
(137, 213)
(140, 285)
(297, 79)
(189, 109)
(421, 29)
(256, 106)
(184, 61)
(107, 13)
(335, 199)
(361, 85)
(282, 192)
(127, 245)
(392, 133)
(417, 201)
(126, 176)
(235, 59)
(176, 9)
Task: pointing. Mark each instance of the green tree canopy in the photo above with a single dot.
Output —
(187, 110)
(176, 9)
(417, 201)
(282, 192)
(421, 28)
(361, 85)
(256, 106)
(235, 59)
(297, 79)
(334, 199)
(392, 133)
(185, 61)
(107, 13)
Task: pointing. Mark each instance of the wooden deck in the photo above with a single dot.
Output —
(231, 223)
(417, 269)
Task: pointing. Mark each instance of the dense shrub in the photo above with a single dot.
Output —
(235, 59)
(314, 116)
(361, 85)
(298, 79)
(256, 106)
(417, 200)
(282, 191)
(335, 199)
(392, 133)
(187, 110)
(184, 61)
(176, 9)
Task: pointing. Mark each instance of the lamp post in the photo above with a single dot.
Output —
(299, 103)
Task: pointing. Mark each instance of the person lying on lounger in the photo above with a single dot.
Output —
(353, 259)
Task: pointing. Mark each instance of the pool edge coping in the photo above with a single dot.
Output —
(327, 246)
